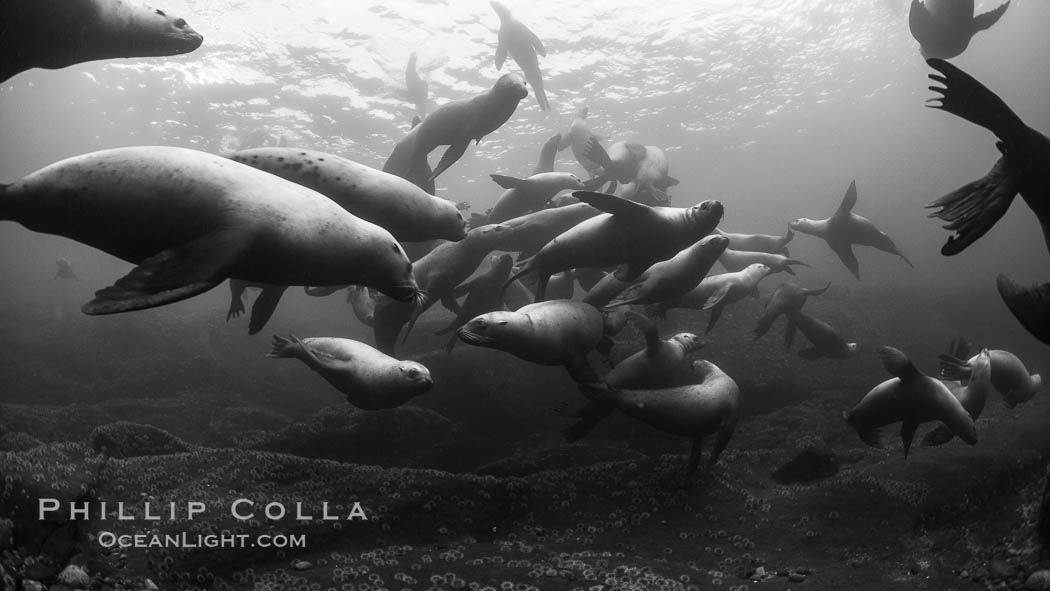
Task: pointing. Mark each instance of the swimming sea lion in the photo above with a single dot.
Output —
(944, 28)
(620, 163)
(562, 286)
(363, 303)
(454, 124)
(547, 154)
(416, 87)
(1023, 168)
(911, 398)
(525, 195)
(656, 366)
(522, 45)
(528, 233)
(674, 277)
(844, 229)
(1009, 375)
(711, 405)
(54, 34)
(651, 181)
(787, 299)
(190, 220)
(716, 292)
(484, 294)
(824, 338)
(578, 137)
(370, 379)
(65, 270)
(557, 332)
(629, 233)
(605, 291)
(403, 209)
(972, 395)
(737, 260)
(759, 242)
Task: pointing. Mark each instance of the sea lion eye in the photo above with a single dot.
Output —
(180, 23)
(413, 373)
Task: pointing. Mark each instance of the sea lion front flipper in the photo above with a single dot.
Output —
(963, 96)
(1031, 306)
(844, 250)
(987, 19)
(264, 306)
(451, 155)
(450, 304)
(550, 152)
(237, 288)
(597, 154)
(501, 52)
(972, 210)
(907, 435)
(713, 318)
(849, 201)
(613, 204)
(169, 276)
(898, 364)
(717, 297)
(451, 344)
(509, 182)
(953, 368)
(534, 40)
(648, 329)
(581, 372)
(939, 436)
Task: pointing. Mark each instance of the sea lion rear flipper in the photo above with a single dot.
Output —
(501, 52)
(849, 201)
(987, 19)
(713, 318)
(451, 155)
(264, 306)
(237, 288)
(1031, 306)
(963, 96)
(168, 276)
(907, 435)
(939, 436)
(613, 204)
(597, 154)
(897, 363)
(648, 329)
(974, 208)
(844, 250)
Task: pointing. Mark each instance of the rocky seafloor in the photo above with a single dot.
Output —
(470, 485)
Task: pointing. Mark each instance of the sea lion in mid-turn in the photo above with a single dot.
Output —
(658, 365)
(531, 194)
(1023, 168)
(65, 270)
(825, 340)
(911, 398)
(54, 34)
(1009, 375)
(629, 233)
(522, 44)
(716, 292)
(844, 229)
(972, 395)
(557, 332)
(620, 164)
(787, 299)
(403, 209)
(370, 380)
(674, 277)
(579, 137)
(944, 28)
(711, 404)
(454, 124)
(484, 294)
(191, 220)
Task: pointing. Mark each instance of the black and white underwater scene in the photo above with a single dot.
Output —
(511, 295)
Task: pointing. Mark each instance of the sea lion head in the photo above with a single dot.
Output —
(511, 86)
(416, 376)
(715, 243)
(395, 277)
(156, 33)
(706, 214)
(486, 330)
(689, 342)
(502, 263)
(804, 225)
(501, 10)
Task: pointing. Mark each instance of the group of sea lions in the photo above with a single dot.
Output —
(277, 217)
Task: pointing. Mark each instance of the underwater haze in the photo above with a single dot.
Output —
(771, 107)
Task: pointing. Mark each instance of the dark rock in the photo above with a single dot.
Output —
(816, 461)
(18, 441)
(130, 440)
(1038, 581)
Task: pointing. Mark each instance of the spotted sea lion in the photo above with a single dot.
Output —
(454, 124)
(190, 220)
(522, 44)
(579, 137)
(825, 340)
(1009, 375)
(531, 194)
(65, 270)
(709, 405)
(716, 292)
(674, 277)
(370, 379)
(944, 28)
(54, 34)
(787, 299)
(484, 294)
(1023, 168)
(556, 332)
(910, 398)
(844, 229)
(403, 209)
(657, 365)
(631, 234)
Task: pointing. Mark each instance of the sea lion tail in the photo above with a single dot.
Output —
(1031, 306)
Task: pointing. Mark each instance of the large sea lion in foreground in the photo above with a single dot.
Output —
(674, 277)
(844, 229)
(558, 332)
(54, 34)
(1009, 375)
(1024, 168)
(944, 28)
(629, 233)
(454, 124)
(522, 44)
(370, 380)
(788, 298)
(403, 209)
(709, 405)
(190, 220)
(911, 398)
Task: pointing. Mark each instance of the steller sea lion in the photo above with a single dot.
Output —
(824, 338)
(522, 44)
(716, 292)
(944, 28)
(1009, 375)
(674, 277)
(484, 294)
(531, 194)
(738, 260)
(787, 299)
(579, 137)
